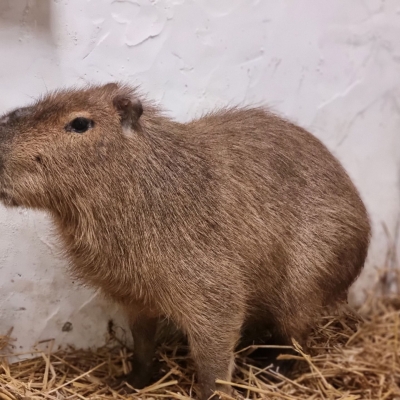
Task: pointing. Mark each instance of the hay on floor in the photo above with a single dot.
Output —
(350, 357)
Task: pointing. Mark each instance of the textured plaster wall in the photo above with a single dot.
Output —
(332, 66)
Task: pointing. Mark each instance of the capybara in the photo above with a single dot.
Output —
(235, 220)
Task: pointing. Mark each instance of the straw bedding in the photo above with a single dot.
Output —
(352, 355)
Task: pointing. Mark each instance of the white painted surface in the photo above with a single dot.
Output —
(331, 66)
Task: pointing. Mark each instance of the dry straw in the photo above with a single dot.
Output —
(351, 356)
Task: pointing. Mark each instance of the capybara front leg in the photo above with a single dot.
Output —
(144, 338)
(213, 354)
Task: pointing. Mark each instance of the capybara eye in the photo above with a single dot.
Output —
(80, 125)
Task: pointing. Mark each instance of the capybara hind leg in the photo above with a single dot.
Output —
(283, 337)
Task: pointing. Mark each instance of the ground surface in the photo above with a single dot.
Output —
(352, 356)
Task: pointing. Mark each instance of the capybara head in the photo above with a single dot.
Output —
(63, 135)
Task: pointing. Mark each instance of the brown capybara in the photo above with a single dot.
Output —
(235, 220)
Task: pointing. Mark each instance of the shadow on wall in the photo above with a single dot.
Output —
(31, 16)
(28, 39)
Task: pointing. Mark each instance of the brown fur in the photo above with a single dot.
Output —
(237, 219)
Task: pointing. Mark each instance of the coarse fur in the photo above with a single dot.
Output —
(235, 221)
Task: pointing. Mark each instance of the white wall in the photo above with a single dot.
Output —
(331, 66)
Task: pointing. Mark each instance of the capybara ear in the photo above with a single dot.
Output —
(112, 86)
(129, 110)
